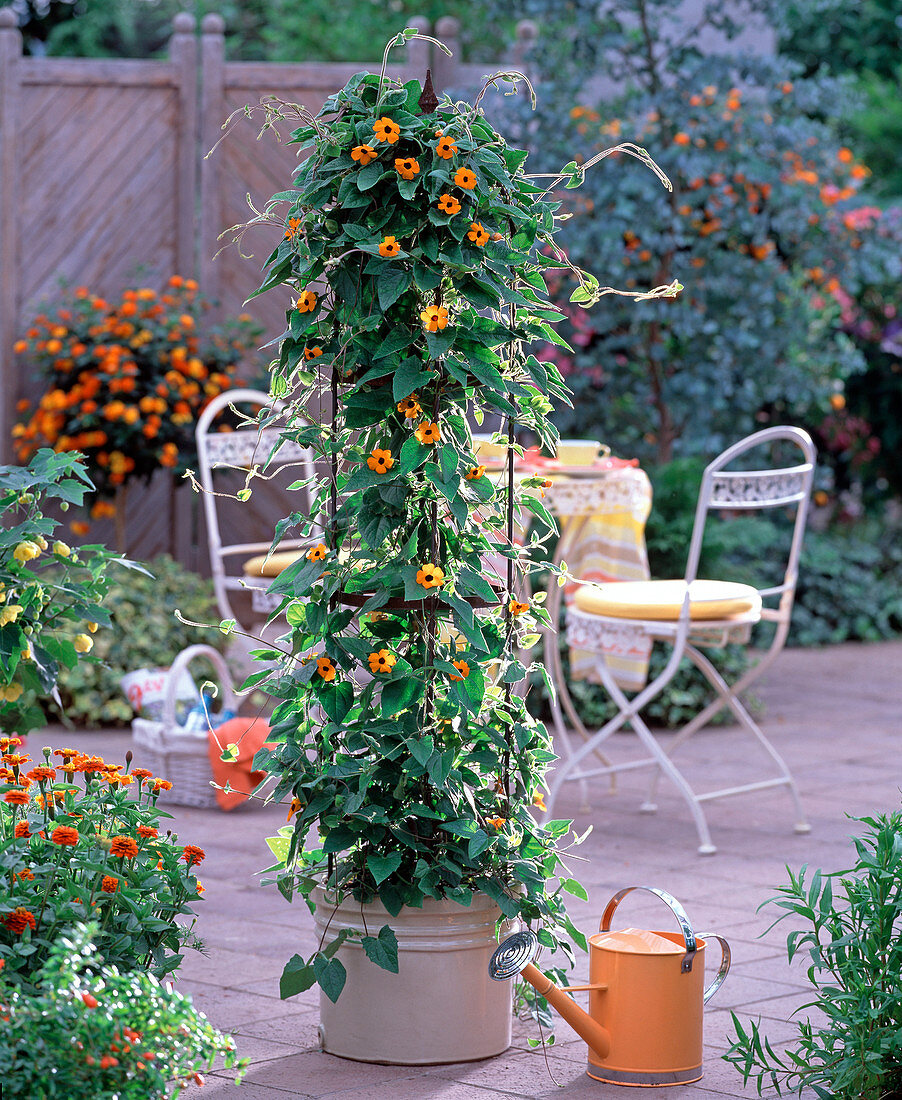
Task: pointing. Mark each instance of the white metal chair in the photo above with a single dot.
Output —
(688, 614)
(240, 450)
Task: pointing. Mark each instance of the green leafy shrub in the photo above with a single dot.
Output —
(850, 932)
(88, 1030)
(143, 633)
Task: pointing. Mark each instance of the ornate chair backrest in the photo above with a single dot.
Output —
(786, 487)
(242, 449)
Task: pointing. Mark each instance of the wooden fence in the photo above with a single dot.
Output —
(104, 179)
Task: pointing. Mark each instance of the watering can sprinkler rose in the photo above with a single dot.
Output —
(646, 996)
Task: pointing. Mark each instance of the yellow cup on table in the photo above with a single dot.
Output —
(577, 452)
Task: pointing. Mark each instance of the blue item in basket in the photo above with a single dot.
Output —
(200, 717)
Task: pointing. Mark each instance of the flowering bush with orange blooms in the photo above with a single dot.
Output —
(81, 840)
(128, 380)
(767, 220)
(88, 1030)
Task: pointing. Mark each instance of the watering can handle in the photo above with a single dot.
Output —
(678, 911)
(724, 964)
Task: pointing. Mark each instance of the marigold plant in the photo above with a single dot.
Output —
(128, 379)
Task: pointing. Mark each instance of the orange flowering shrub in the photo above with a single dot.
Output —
(128, 379)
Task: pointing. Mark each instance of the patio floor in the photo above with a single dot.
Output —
(835, 713)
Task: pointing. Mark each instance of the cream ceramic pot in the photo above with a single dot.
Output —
(441, 1006)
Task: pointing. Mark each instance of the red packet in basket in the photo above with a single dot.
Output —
(250, 735)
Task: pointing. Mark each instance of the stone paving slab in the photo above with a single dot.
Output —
(834, 713)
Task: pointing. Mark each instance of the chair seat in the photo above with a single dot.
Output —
(260, 566)
(662, 601)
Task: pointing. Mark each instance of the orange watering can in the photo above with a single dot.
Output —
(646, 995)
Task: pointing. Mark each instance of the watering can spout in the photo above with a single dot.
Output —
(513, 957)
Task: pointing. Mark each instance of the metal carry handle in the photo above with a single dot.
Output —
(725, 956)
(678, 911)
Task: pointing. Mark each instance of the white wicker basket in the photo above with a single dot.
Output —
(176, 754)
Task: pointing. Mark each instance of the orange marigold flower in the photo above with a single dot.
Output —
(22, 830)
(26, 875)
(844, 155)
(146, 831)
(18, 920)
(363, 154)
(463, 668)
(434, 318)
(464, 178)
(477, 234)
(428, 433)
(382, 660)
(41, 773)
(410, 407)
(16, 797)
(837, 401)
(380, 461)
(325, 668)
(406, 167)
(445, 148)
(681, 138)
(430, 576)
(142, 773)
(125, 847)
(318, 552)
(386, 130)
(448, 204)
(859, 172)
(161, 785)
(821, 499)
(517, 608)
(65, 836)
(312, 353)
(390, 246)
(306, 303)
(90, 1000)
(109, 884)
(475, 472)
(192, 855)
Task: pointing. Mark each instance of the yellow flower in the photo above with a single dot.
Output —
(325, 668)
(463, 668)
(389, 247)
(92, 627)
(448, 204)
(12, 692)
(517, 608)
(477, 234)
(428, 433)
(25, 551)
(445, 148)
(382, 660)
(306, 303)
(475, 472)
(430, 576)
(410, 407)
(318, 552)
(386, 130)
(84, 643)
(364, 154)
(10, 613)
(380, 461)
(434, 318)
(464, 178)
(61, 549)
(538, 799)
(41, 541)
(406, 167)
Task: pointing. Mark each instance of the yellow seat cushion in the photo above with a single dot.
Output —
(260, 567)
(661, 601)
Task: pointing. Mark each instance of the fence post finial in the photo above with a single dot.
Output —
(447, 30)
(212, 23)
(428, 100)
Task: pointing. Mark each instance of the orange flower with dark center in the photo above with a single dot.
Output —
(363, 154)
(109, 885)
(463, 668)
(65, 836)
(146, 831)
(380, 461)
(193, 856)
(22, 829)
(464, 178)
(445, 148)
(389, 245)
(318, 552)
(497, 823)
(406, 167)
(434, 318)
(517, 608)
(428, 433)
(386, 130)
(124, 847)
(477, 234)
(18, 920)
(448, 204)
(312, 353)
(410, 407)
(325, 668)
(383, 660)
(292, 228)
(306, 303)
(475, 473)
(16, 798)
(430, 576)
